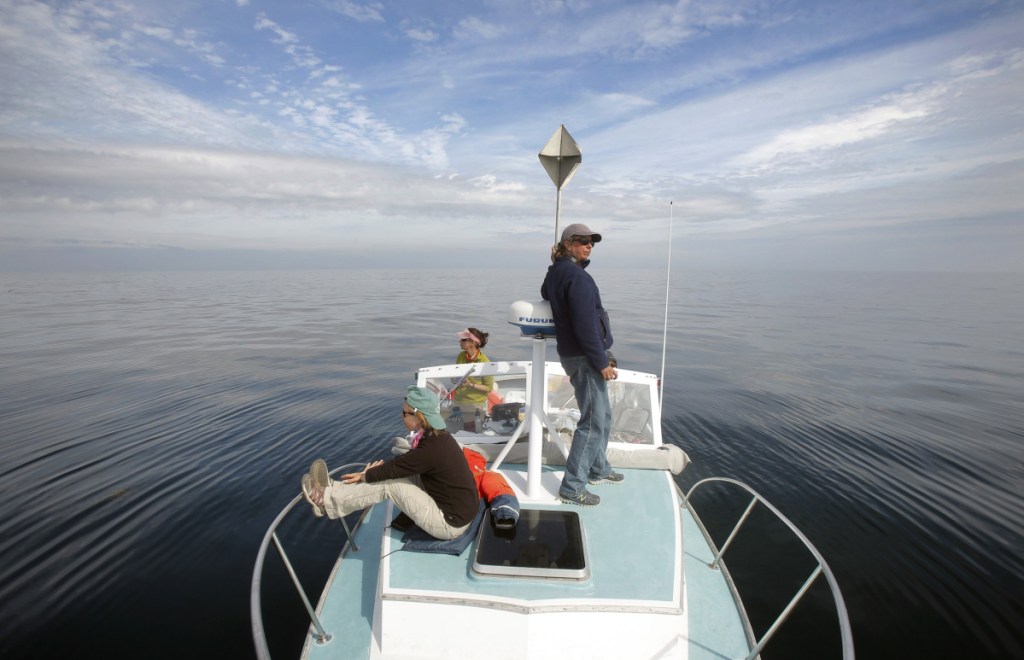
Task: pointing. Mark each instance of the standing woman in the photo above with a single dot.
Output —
(584, 339)
(471, 395)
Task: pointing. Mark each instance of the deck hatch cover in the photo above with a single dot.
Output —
(544, 544)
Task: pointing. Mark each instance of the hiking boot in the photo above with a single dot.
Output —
(610, 478)
(583, 498)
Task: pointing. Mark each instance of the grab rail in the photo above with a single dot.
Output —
(822, 568)
(255, 605)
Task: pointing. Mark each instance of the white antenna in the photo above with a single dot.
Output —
(664, 336)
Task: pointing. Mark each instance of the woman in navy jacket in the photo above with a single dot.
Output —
(584, 337)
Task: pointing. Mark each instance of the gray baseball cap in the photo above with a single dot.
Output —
(579, 229)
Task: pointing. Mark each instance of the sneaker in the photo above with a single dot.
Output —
(583, 498)
(313, 495)
(610, 478)
(320, 475)
(313, 485)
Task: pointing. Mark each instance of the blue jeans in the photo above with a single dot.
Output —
(587, 456)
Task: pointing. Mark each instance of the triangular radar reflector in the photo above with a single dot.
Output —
(560, 157)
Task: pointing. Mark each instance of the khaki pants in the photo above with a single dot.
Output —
(341, 499)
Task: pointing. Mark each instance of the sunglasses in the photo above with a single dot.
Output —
(406, 413)
(584, 241)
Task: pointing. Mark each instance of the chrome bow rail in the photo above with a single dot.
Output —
(822, 566)
(255, 605)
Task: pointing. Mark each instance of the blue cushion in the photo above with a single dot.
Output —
(416, 540)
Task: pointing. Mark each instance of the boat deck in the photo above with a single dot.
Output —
(635, 564)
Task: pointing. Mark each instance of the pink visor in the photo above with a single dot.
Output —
(466, 334)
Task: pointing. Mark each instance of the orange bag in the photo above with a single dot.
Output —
(489, 484)
(493, 399)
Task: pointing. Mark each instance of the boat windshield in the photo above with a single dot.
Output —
(633, 399)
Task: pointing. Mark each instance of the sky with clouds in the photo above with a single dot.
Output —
(838, 134)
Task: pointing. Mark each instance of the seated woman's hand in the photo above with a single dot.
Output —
(357, 477)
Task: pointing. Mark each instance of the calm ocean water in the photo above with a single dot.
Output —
(153, 424)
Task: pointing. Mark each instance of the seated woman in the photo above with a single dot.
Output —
(471, 394)
(431, 483)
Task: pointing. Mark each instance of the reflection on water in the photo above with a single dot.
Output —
(154, 424)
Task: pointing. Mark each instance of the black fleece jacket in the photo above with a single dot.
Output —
(442, 467)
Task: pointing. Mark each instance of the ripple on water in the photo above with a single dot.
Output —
(153, 425)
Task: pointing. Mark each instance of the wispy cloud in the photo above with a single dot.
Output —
(207, 125)
(371, 12)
